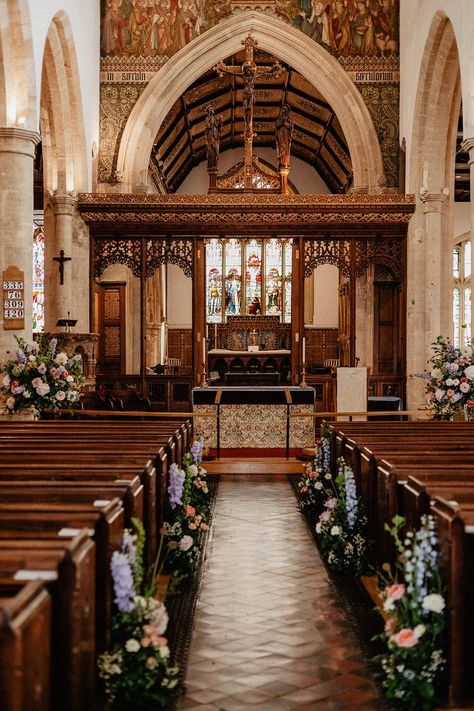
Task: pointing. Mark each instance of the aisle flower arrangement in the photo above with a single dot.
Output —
(187, 518)
(413, 607)
(450, 382)
(41, 376)
(341, 526)
(136, 669)
(314, 486)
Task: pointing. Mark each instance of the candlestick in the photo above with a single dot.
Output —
(162, 343)
(215, 335)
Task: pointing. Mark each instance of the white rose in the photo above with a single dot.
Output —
(72, 396)
(469, 372)
(433, 603)
(132, 645)
(464, 387)
(60, 395)
(32, 359)
(11, 403)
(185, 543)
(193, 470)
(70, 379)
(335, 531)
(318, 527)
(61, 359)
(27, 394)
(43, 389)
(419, 631)
(36, 382)
(318, 486)
(6, 381)
(449, 381)
(164, 651)
(439, 394)
(436, 373)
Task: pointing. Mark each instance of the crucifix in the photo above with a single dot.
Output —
(61, 259)
(249, 72)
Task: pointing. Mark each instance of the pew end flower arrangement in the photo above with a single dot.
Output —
(41, 376)
(187, 518)
(413, 608)
(313, 487)
(341, 528)
(450, 381)
(136, 669)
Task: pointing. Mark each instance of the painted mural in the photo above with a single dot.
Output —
(152, 28)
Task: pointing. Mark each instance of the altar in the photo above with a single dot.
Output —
(255, 418)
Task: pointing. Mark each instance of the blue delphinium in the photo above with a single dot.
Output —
(175, 488)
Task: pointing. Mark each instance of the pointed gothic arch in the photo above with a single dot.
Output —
(61, 113)
(430, 175)
(285, 42)
(17, 79)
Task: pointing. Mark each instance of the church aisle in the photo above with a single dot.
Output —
(270, 633)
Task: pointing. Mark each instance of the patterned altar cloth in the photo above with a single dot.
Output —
(255, 418)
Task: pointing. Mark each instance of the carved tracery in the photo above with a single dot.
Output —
(380, 251)
(327, 251)
(117, 251)
(169, 251)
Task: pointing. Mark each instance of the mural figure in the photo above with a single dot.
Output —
(341, 29)
(284, 133)
(213, 293)
(255, 306)
(314, 20)
(363, 30)
(386, 28)
(213, 136)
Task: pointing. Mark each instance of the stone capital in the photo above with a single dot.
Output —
(63, 203)
(433, 202)
(18, 140)
(468, 147)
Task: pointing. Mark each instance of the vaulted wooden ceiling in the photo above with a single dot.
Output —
(318, 138)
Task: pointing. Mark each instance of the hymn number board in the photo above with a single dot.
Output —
(13, 299)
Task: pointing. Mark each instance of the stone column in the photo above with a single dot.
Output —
(430, 299)
(61, 302)
(17, 151)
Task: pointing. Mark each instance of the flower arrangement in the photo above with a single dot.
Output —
(187, 519)
(41, 376)
(450, 382)
(136, 668)
(413, 607)
(312, 488)
(341, 526)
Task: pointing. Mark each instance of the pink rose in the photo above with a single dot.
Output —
(304, 489)
(390, 626)
(450, 393)
(396, 592)
(470, 403)
(190, 510)
(325, 516)
(146, 641)
(313, 475)
(405, 638)
(331, 503)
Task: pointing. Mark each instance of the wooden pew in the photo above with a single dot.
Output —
(46, 522)
(68, 568)
(25, 623)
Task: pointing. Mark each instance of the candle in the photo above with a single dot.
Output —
(162, 343)
(215, 335)
(204, 352)
(304, 351)
(207, 331)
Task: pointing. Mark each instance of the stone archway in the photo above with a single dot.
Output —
(17, 79)
(65, 174)
(61, 114)
(288, 44)
(431, 177)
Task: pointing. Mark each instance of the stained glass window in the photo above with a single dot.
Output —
(288, 252)
(456, 317)
(38, 278)
(462, 293)
(248, 277)
(253, 277)
(233, 277)
(214, 281)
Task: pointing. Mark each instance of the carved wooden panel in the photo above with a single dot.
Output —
(317, 252)
(235, 334)
(169, 250)
(380, 251)
(117, 251)
(111, 327)
(321, 345)
(180, 345)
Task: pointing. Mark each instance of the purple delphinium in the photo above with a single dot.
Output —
(54, 343)
(196, 450)
(21, 357)
(175, 489)
(124, 588)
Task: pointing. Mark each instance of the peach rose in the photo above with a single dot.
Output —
(190, 510)
(313, 475)
(396, 592)
(405, 638)
(146, 641)
(390, 626)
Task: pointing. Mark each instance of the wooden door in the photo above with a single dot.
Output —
(386, 334)
(112, 328)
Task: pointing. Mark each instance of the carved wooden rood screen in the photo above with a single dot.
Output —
(363, 235)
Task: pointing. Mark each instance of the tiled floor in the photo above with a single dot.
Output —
(270, 633)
